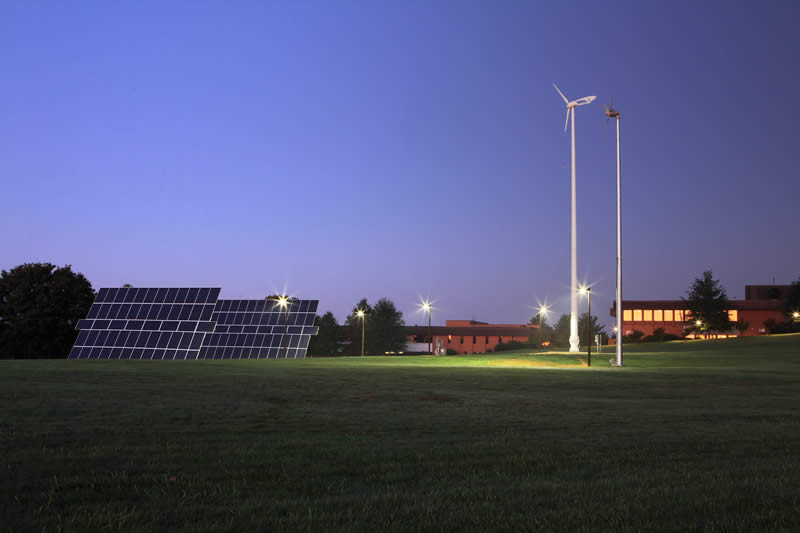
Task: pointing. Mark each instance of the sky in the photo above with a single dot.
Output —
(409, 150)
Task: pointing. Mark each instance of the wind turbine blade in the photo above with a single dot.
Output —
(612, 101)
(604, 107)
(566, 122)
(562, 94)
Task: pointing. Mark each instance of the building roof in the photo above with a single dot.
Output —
(478, 331)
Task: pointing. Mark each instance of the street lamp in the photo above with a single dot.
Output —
(543, 309)
(283, 301)
(796, 315)
(588, 292)
(362, 315)
(427, 307)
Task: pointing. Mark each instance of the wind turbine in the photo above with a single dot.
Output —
(613, 113)
(574, 340)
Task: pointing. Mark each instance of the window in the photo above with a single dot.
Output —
(637, 315)
(733, 315)
(668, 317)
(626, 315)
(648, 315)
(678, 315)
(487, 339)
(462, 339)
(474, 339)
(658, 315)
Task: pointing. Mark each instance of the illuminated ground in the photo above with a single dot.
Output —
(698, 435)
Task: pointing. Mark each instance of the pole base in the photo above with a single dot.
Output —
(574, 343)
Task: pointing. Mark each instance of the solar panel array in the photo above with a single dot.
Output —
(191, 323)
(256, 328)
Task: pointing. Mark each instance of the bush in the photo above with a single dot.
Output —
(510, 345)
(656, 336)
(451, 351)
(636, 336)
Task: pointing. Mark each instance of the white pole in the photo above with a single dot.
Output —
(619, 254)
(574, 339)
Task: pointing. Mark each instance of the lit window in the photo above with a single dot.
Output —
(668, 315)
(678, 315)
(637, 315)
(626, 315)
(658, 315)
(733, 315)
(687, 314)
(648, 315)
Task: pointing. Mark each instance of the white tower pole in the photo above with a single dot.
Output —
(619, 253)
(574, 340)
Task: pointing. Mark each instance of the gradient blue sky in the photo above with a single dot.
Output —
(400, 149)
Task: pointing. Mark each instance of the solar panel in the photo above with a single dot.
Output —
(255, 329)
(191, 323)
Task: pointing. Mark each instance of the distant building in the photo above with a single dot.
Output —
(761, 303)
(469, 336)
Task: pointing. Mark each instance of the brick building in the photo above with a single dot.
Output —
(470, 336)
(761, 303)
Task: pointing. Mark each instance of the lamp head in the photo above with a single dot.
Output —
(795, 315)
(283, 301)
(698, 323)
(360, 313)
(584, 290)
(425, 306)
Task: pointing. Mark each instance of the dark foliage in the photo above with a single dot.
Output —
(324, 342)
(560, 335)
(659, 335)
(384, 328)
(535, 335)
(707, 302)
(40, 304)
(636, 336)
(596, 329)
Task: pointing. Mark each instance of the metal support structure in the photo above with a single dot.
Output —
(619, 250)
(574, 339)
(430, 337)
(363, 321)
(589, 327)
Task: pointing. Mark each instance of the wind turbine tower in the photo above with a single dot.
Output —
(574, 339)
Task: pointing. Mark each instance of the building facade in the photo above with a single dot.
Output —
(761, 303)
(470, 336)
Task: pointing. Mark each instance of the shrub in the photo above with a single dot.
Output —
(636, 336)
(451, 351)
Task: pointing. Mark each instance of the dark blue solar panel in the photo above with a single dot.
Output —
(190, 323)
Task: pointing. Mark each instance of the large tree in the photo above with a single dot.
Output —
(708, 305)
(546, 332)
(561, 331)
(40, 304)
(352, 328)
(596, 329)
(385, 329)
(324, 342)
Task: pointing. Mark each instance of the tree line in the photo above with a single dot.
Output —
(41, 303)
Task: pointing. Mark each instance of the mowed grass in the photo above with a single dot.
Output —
(688, 436)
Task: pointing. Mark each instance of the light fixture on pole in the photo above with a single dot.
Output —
(362, 315)
(613, 113)
(283, 301)
(428, 308)
(574, 340)
(543, 309)
(588, 292)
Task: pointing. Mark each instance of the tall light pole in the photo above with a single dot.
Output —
(428, 308)
(613, 113)
(283, 302)
(543, 309)
(588, 291)
(362, 315)
(574, 339)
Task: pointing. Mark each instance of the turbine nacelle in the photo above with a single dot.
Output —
(573, 104)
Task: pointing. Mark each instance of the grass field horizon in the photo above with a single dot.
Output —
(695, 435)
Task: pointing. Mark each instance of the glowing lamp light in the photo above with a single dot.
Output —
(698, 323)
(283, 301)
(795, 315)
(360, 313)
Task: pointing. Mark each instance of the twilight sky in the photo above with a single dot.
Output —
(400, 149)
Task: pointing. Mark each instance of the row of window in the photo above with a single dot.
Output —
(665, 315)
(474, 339)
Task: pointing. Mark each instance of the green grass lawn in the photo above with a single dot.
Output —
(701, 435)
